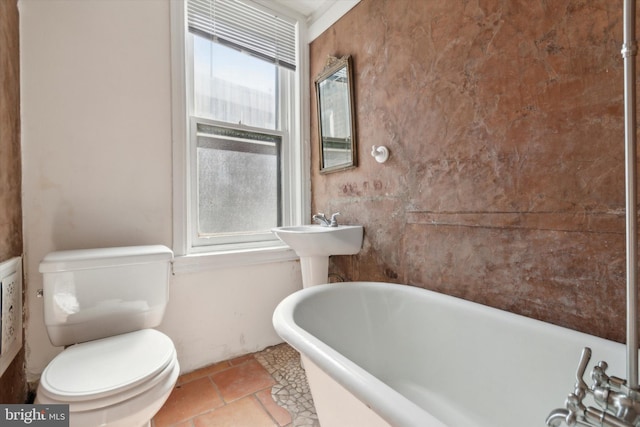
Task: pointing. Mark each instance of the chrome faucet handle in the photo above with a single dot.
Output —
(321, 218)
(574, 404)
(581, 386)
(334, 219)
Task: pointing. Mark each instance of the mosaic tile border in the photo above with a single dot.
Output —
(292, 389)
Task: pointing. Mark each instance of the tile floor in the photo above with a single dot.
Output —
(267, 389)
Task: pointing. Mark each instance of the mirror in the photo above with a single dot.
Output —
(336, 117)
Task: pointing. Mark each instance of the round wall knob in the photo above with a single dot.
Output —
(380, 153)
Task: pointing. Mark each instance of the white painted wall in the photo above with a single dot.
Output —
(218, 315)
(96, 140)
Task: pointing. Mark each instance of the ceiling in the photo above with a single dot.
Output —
(319, 14)
(306, 8)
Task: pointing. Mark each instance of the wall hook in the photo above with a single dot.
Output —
(380, 153)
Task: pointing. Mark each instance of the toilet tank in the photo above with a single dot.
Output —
(96, 293)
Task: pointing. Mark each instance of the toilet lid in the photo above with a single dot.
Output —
(104, 367)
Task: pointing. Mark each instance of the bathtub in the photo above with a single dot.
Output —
(380, 354)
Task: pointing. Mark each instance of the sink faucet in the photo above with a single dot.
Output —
(322, 219)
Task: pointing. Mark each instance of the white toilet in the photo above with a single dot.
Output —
(102, 303)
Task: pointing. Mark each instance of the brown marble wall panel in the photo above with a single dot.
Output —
(10, 170)
(13, 381)
(528, 271)
(505, 184)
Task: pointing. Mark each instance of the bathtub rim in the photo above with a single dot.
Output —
(364, 383)
(391, 406)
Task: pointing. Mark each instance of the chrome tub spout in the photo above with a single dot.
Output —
(557, 417)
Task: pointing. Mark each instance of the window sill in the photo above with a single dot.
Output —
(232, 258)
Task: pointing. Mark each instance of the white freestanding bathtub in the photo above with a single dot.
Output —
(379, 354)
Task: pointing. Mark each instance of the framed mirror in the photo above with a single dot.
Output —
(336, 117)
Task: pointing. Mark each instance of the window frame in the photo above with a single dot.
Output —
(191, 256)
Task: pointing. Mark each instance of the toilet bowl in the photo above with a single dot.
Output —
(116, 371)
(118, 381)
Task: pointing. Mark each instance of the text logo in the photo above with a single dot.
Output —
(34, 415)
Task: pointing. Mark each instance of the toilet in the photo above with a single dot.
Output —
(101, 305)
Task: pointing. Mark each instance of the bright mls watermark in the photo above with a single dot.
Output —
(34, 415)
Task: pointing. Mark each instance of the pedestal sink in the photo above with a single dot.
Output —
(315, 243)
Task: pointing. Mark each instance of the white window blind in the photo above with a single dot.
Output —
(241, 26)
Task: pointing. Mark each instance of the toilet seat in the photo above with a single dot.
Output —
(104, 372)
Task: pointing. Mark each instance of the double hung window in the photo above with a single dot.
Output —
(242, 151)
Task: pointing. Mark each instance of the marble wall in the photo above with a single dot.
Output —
(505, 184)
(12, 382)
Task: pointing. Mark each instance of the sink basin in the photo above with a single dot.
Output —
(316, 240)
(315, 243)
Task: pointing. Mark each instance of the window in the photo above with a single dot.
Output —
(238, 182)
(239, 157)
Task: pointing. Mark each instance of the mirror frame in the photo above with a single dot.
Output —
(332, 65)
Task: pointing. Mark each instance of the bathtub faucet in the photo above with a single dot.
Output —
(620, 404)
(322, 219)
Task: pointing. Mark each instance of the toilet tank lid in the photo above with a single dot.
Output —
(80, 259)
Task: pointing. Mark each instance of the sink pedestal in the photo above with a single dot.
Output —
(315, 270)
